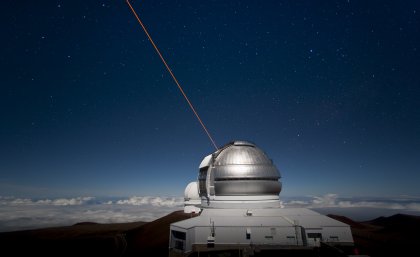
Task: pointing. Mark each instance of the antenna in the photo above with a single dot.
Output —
(172, 74)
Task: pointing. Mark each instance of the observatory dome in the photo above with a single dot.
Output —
(191, 192)
(239, 168)
(192, 200)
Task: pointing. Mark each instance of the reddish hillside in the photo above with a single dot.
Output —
(347, 221)
(386, 236)
(82, 239)
(398, 222)
(88, 238)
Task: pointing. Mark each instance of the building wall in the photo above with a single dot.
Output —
(274, 228)
(262, 235)
(337, 234)
(238, 235)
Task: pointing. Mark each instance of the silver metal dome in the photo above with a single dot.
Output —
(239, 168)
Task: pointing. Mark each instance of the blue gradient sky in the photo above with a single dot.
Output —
(329, 89)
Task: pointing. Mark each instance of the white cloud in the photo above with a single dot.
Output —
(25, 213)
(57, 202)
(334, 201)
(414, 206)
(298, 202)
(65, 201)
(154, 201)
(328, 200)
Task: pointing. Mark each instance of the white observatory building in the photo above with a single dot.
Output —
(237, 201)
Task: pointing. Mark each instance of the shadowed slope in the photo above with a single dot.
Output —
(348, 221)
(82, 239)
(153, 237)
(397, 235)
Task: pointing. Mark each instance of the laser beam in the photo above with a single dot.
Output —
(172, 74)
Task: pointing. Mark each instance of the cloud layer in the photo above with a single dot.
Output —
(11, 201)
(154, 201)
(334, 201)
(26, 213)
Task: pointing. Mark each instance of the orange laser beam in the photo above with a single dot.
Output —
(172, 75)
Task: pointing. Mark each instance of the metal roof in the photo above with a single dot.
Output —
(231, 221)
(260, 217)
(240, 168)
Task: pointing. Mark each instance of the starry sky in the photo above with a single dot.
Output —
(330, 90)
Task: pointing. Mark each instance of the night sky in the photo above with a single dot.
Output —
(330, 90)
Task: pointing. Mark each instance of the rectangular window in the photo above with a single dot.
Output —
(179, 244)
(248, 233)
(179, 235)
(334, 238)
(202, 176)
(314, 235)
